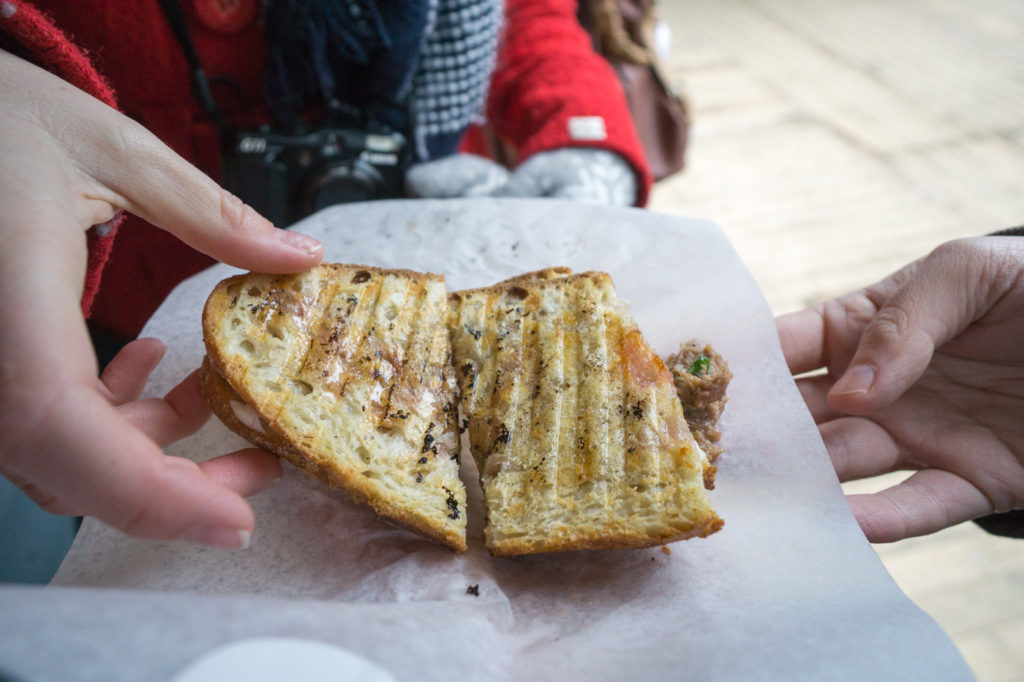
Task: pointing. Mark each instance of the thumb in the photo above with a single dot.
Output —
(936, 302)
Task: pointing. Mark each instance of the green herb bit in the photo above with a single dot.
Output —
(700, 366)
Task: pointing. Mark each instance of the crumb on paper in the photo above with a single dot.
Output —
(473, 590)
(665, 549)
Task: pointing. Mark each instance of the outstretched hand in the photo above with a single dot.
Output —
(75, 443)
(925, 373)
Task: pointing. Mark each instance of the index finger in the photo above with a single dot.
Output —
(128, 167)
(156, 184)
(926, 502)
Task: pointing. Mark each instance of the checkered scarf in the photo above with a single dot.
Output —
(413, 65)
(454, 72)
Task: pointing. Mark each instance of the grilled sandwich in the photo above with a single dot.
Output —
(345, 372)
(573, 421)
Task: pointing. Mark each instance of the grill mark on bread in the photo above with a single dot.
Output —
(314, 354)
(550, 377)
(508, 351)
(617, 413)
(642, 462)
(326, 355)
(529, 425)
(387, 360)
(443, 384)
(568, 351)
(360, 353)
(594, 383)
(486, 336)
(469, 349)
(509, 435)
(409, 392)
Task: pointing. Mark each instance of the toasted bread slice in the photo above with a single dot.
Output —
(573, 421)
(345, 372)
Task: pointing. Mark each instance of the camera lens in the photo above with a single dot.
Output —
(341, 182)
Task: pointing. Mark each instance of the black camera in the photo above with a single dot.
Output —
(285, 177)
(289, 171)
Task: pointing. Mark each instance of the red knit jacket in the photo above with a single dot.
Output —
(546, 74)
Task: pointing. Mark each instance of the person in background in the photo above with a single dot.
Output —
(925, 372)
(526, 69)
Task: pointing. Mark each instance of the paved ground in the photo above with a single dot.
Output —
(835, 141)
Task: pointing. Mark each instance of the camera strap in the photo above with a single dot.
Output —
(200, 84)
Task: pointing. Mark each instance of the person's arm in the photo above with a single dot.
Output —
(28, 33)
(552, 91)
(76, 443)
(925, 373)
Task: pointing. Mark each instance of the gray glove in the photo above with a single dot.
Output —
(589, 175)
(460, 175)
(595, 176)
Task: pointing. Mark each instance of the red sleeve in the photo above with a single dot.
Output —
(29, 33)
(551, 90)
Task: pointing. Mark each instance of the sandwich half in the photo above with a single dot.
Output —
(573, 421)
(345, 371)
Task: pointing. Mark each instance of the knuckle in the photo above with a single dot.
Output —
(130, 142)
(999, 271)
(884, 521)
(24, 417)
(45, 500)
(976, 261)
(136, 520)
(952, 251)
(931, 505)
(1005, 494)
(890, 323)
(236, 215)
(140, 515)
(148, 511)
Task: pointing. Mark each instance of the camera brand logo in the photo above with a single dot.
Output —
(379, 158)
(252, 145)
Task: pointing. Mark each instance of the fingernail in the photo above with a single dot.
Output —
(857, 379)
(228, 538)
(300, 242)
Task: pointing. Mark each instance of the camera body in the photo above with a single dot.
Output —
(286, 177)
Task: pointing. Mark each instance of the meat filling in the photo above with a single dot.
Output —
(701, 377)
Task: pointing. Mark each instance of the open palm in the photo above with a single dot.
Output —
(925, 372)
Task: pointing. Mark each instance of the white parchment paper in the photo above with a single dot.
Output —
(789, 589)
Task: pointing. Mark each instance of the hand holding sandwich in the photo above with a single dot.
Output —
(77, 444)
(925, 373)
